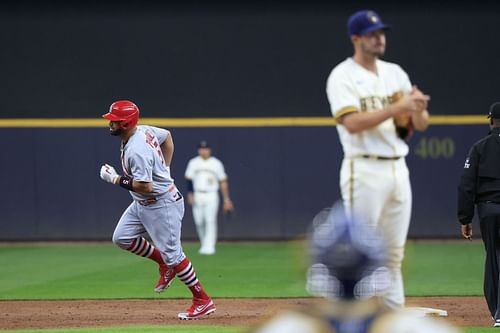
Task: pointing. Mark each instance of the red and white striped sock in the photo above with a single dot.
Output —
(141, 247)
(185, 272)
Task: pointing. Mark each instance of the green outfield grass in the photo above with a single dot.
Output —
(444, 269)
(103, 271)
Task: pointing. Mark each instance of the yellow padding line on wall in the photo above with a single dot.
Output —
(218, 122)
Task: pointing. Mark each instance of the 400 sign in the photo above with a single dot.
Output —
(435, 147)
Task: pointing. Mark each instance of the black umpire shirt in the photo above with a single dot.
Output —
(480, 180)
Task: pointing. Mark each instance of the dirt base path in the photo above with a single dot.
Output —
(462, 311)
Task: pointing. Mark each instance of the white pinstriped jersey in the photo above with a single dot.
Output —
(352, 88)
(205, 174)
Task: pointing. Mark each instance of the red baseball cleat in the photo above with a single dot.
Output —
(200, 308)
(166, 278)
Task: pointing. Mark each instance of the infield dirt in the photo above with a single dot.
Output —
(462, 311)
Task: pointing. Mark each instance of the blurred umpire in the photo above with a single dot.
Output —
(480, 186)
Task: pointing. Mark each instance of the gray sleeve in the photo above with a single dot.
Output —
(160, 133)
(141, 166)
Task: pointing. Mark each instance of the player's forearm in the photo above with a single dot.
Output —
(356, 122)
(167, 149)
(141, 187)
(224, 189)
(420, 120)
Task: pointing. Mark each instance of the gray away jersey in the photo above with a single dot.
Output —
(142, 160)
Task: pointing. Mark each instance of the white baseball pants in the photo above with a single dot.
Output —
(205, 209)
(379, 192)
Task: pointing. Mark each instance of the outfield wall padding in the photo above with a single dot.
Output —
(279, 178)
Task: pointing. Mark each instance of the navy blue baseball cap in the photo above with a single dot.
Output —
(203, 144)
(494, 111)
(365, 21)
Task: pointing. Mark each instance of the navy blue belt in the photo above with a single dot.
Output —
(147, 202)
(381, 158)
(150, 201)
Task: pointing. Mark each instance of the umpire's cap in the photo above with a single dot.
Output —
(365, 21)
(494, 111)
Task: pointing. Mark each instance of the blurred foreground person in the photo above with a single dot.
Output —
(348, 272)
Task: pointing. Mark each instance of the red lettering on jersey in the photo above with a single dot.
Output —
(150, 139)
(153, 142)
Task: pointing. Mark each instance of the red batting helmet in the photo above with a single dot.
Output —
(124, 111)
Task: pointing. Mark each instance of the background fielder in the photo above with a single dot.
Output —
(376, 109)
(157, 207)
(205, 175)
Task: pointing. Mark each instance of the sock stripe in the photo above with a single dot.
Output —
(189, 278)
(145, 250)
(149, 251)
(138, 245)
(132, 246)
(192, 282)
(141, 248)
(185, 271)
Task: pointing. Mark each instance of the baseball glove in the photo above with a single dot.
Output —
(404, 132)
(404, 126)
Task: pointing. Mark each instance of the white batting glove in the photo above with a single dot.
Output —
(109, 174)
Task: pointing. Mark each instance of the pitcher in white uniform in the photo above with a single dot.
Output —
(372, 101)
(157, 207)
(205, 175)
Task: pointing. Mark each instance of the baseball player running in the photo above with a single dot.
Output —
(205, 175)
(157, 207)
(376, 109)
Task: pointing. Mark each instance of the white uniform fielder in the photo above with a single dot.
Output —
(206, 175)
(377, 189)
